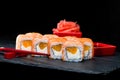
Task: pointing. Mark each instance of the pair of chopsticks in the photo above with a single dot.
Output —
(10, 53)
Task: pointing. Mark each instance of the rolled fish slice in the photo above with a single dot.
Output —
(55, 47)
(40, 45)
(24, 42)
(73, 51)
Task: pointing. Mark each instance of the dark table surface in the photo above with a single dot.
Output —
(29, 67)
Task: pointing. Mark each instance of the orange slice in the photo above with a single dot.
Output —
(27, 43)
(57, 47)
(42, 45)
(73, 50)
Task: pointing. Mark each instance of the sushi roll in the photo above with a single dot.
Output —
(24, 42)
(40, 45)
(55, 47)
(88, 48)
(73, 50)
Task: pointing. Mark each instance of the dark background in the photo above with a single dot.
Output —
(98, 20)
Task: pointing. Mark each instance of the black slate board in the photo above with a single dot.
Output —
(98, 65)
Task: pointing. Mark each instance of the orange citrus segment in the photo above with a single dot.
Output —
(42, 45)
(27, 43)
(72, 49)
(86, 48)
(57, 47)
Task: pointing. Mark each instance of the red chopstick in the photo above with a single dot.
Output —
(10, 53)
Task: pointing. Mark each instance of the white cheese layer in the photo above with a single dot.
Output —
(38, 49)
(73, 56)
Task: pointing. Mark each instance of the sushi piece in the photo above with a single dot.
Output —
(73, 50)
(24, 42)
(55, 47)
(88, 48)
(41, 43)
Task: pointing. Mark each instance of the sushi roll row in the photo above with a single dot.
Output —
(67, 48)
